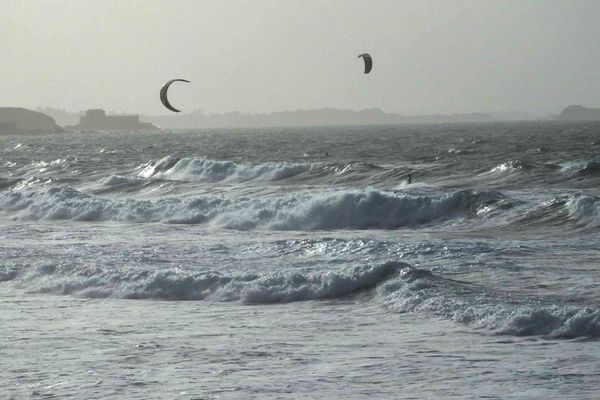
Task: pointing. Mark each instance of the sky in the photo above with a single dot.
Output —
(429, 57)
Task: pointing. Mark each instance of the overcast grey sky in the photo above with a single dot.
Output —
(261, 56)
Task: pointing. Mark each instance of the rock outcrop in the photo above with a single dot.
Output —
(15, 120)
(579, 113)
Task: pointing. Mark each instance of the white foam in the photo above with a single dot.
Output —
(337, 209)
(120, 180)
(207, 170)
(510, 166)
(174, 284)
(582, 167)
(417, 292)
(585, 209)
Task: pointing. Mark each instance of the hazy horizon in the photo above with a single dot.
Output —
(300, 229)
(430, 57)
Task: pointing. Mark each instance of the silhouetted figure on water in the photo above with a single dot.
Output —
(408, 179)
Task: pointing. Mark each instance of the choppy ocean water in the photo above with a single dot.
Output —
(248, 264)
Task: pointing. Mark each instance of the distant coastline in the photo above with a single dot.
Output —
(316, 117)
(19, 121)
(15, 120)
(96, 119)
(579, 113)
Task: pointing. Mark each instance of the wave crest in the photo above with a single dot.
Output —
(427, 293)
(577, 210)
(207, 170)
(278, 287)
(583, 167)
(509, 167)
(367, 209)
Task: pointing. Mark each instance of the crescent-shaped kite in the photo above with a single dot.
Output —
(163, 94)
(368, 62)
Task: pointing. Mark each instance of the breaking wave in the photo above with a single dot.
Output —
(401, 287)
(249, 288)
(204, 170)
(510, 167)
(342, 209)
(207, 170)
(583, 167)
(419, 291)
(6, 183)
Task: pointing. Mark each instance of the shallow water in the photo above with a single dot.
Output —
(245, 263)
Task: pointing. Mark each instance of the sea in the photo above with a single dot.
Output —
(300, 263)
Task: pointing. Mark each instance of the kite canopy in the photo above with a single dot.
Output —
(368, 62)
(163, 94)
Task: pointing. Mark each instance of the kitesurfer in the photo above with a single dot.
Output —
(163, 94)
(368, 62)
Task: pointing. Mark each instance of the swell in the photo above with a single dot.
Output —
(509, 173)
(523, 173)
(589, 167)
(576, 211)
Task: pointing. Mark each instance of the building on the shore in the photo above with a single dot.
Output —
(97, 119)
